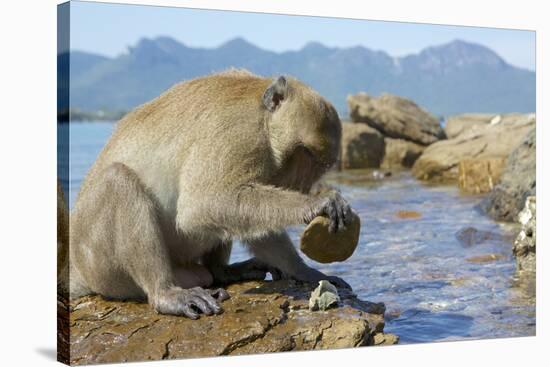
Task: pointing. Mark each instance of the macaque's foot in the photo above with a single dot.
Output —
(338, 282)
(337, 209)
(251, 269)
(313, 276)
(190, 302)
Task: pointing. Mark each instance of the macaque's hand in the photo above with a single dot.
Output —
(336, 208)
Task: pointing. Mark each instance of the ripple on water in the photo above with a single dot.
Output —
(418, 265)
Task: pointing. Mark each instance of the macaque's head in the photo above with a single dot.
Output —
(305, 131)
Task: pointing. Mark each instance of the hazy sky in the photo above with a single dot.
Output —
(109, 29)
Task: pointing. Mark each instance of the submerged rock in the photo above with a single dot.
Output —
(439, 162)
(396, 117)
(408, 214)
(478, 176)
(320, 245)
(517, 182)
(260, 317)
(362, 146)
(323, 297)
(482, 259)
(471, 236)
(525, 244)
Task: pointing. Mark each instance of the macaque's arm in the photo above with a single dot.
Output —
(254, 210)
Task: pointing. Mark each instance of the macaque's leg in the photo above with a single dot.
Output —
(217, 263)
(193, 275)
(117, 247)
(277, 251)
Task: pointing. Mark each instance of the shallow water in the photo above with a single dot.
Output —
(435, 286)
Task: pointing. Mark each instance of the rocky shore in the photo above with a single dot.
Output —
(492, 154)
(260, 317)
(487, 154)
(517, 183)
(386, 132)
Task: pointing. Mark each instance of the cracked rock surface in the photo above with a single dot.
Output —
(260, 317)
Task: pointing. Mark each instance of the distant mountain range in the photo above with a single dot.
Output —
(452, 78)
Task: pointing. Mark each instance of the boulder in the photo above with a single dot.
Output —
(517, 182)
(439, 162)
(260, 317)
(396, 117)
(466, 122)
(320, 245)
(400, 153)
(362, 146)
(477, 176)
(525, 244)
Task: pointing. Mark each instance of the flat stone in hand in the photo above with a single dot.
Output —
(320, 245)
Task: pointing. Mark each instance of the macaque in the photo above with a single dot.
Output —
(229, 156)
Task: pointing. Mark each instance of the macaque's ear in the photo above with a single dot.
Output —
(275, 94)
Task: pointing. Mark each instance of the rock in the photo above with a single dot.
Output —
(517, 182)
(471, 236)
(260, 317)
(385, 339)
(439, 162)
(362, 147)
(478, 176)
(408, 214)
(323, 297)
(400, 153)
(525, 244)
(380, 175)
(63, 327)
(467, 122)
(320, 245)
(481, 259)
(396, 117)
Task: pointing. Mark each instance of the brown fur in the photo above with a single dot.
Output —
(185, 174)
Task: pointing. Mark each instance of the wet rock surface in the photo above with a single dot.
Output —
(525, 244)
(260, 317)
(362, 146)
(396, 117)
(517, 182)
(439, 161)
